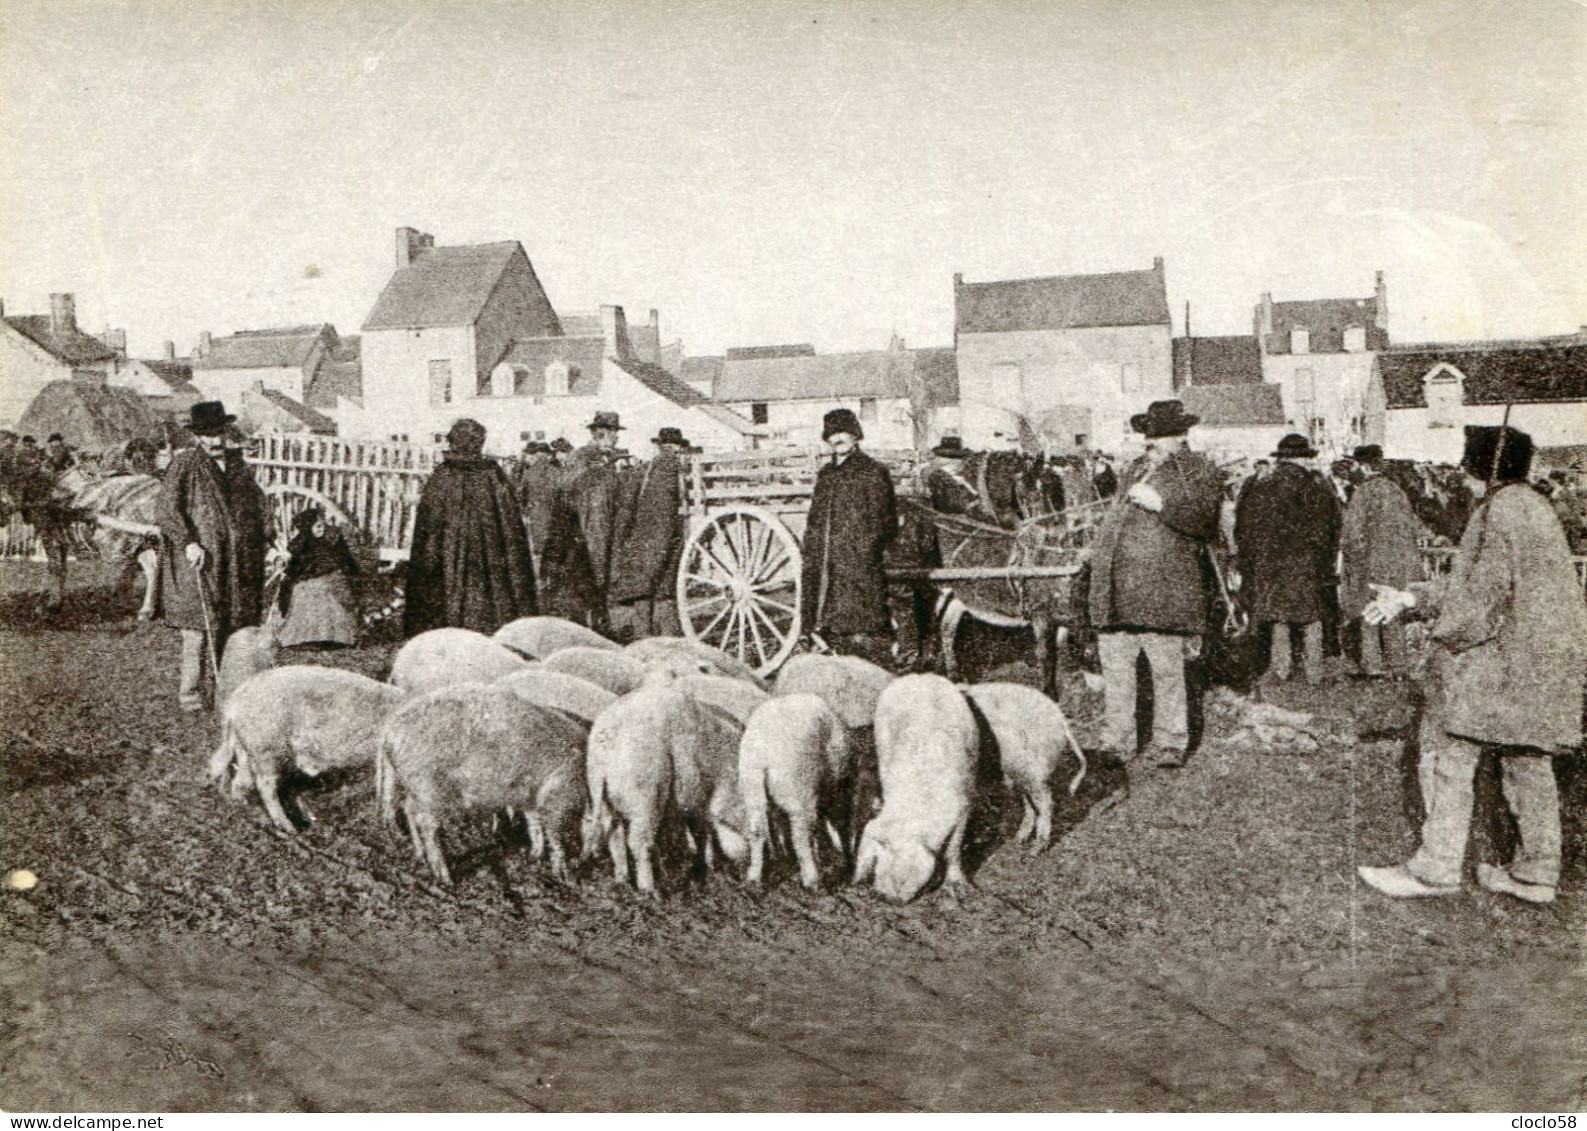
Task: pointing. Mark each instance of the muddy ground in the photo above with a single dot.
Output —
(1194, 939)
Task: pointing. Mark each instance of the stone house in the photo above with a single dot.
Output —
(287, 359)
(1219, 379)
(36, 349)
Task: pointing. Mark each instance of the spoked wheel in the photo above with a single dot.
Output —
(738, 588)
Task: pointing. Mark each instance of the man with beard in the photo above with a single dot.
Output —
(645, 574)
(469, 566)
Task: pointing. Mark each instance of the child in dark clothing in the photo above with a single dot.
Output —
(316, 594)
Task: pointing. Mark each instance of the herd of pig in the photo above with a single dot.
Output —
(589, 744)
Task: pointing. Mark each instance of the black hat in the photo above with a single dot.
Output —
(1163, 418)
(1368, 453)
(950, 447)
(536, 448)
(466, 435)
(1483, 447)
(670, 435)
(841, 420)
(607, 420)
(55, 436)
(208, 418)
(29, 440)
(561, 444)
(1294, 446)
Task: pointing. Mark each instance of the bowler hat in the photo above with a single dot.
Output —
(1294, 446)
(841, 420)
(561, 444)
(950, 447)
(1368, 453)
(670, 435)
(536, 448)
(1163, 418)
(607, 420)
(208, 418)
(55, 436)
(1487, 444)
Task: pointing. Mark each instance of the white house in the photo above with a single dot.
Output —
(36, 349)
(1433, 391)
(287, 359)
(1061, 362)
(1219, 380)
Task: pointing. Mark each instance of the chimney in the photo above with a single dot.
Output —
(203, 343)
(117, 341)
(170, 351)
(1264, 318)
(1381, 321)
(655, 320)
(958, 280)
(63, 315)
(1157, 264)
(411, 243)
(614, 327)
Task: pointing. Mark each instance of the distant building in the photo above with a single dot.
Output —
(263, 409)
(165, 384)
(1432, 391)
(1062, 362)
(1320, 352)
(1219, 379)
(287, 359)
(36, 349)
(900, 395)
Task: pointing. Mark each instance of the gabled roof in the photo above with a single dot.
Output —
(1235, 360)
(706, 369)
(1235, 406)
(177, 374)
(724, 415)
(830, 376)
(1325, 320)
(443, 286)
(312, 421)
(1502, 375)
(72, 348)
(757, 353)
(659, 381)
(287, 347)
(1061, 302)
(938, 370)
(533, 355)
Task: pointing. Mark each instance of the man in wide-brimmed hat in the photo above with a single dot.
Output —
(853, 516)
(1506, 674)
(581, 538)
(469, 565)
(211, 549)
(1287, 530)
(950, 491)
(535, 484)
(1378, 546)
(651, 526)
(1147, 584)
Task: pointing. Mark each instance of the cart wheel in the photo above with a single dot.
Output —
(738, 587)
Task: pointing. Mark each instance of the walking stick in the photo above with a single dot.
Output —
(209, 632)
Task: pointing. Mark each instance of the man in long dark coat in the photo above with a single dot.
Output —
(579, 539)
(211, 549)
(1378, 547)
(469, 565)
(1506, 674)
(853, 516)
(536, 488)
(1148, 586)
(644, 586)
(1287, 530)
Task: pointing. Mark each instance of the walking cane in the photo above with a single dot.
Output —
(209, 632)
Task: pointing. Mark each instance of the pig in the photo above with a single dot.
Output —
(444, 656)
(794, 755)
(733, 696)
(653, 750)
(1031, 733)
(539, 637)
(926, 743)
(301, 717)
(478, 748)
(715, 662)
(611, 670)
(248, 652)
(849, 685)
(578, 698)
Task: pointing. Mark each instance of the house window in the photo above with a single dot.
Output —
(502, 380)
(758, 413)
(559, 378)
(1443, 391)
(441, 381)
(1130, 377)
(1355, 339)
(1300, 340)
(867, 410)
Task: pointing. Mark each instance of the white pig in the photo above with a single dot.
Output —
(1032, 735)
(444, 656)
(795, 756)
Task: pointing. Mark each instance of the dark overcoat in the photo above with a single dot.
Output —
(1287, 531)
(223, 511)
(652, 529)
(1146, 566)
(469, 566)
(853, 516)
(1511, 635)
(537, 488)
(1377, 543)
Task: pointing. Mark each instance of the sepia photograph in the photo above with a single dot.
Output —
(771, 556)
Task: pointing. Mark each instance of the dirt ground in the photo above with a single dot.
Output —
(1194, 940)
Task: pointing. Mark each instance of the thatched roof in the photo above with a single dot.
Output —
(90, 416)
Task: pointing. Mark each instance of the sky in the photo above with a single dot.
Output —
(796, 172)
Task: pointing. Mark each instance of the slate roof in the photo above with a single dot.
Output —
(938, 369)
(1494, 375)
(830, 376)
(1326, 319)
(177, 374)
(1235, 360)
(582, 325)
(1062, 302)
(444, 286)
(706, 369)
(287, 347)
(759, 353)
(533, 355)
(315, 422)
(1235, 406)
(658, 380)
(72, 348)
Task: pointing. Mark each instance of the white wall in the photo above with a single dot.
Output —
(1224, 443)
(231, 384)
(396, 374)
(799, 422)
(1340, 383)
(1407, 435)
(24, 370)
